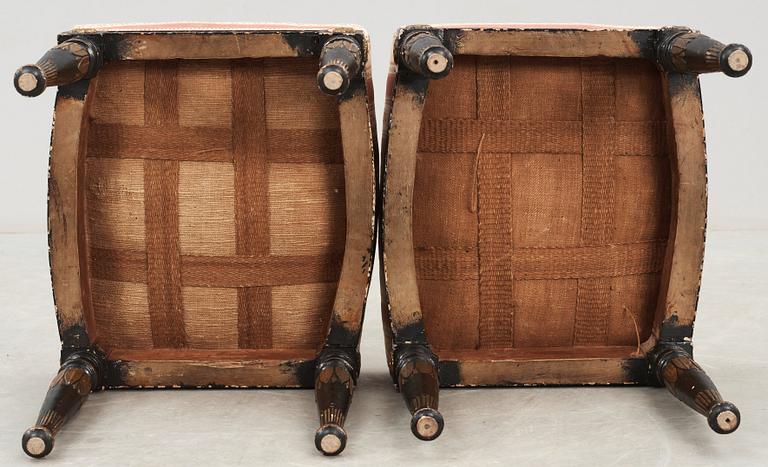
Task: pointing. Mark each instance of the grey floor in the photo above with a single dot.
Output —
(550, 426)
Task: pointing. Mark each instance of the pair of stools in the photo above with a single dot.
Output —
(213, 214)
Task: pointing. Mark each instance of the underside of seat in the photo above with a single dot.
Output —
(541, 205)
(215, 208)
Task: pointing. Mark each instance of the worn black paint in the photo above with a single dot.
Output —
(449, 373)
(73, 338)
(411, 334)
(646, 40)
(304, 372)
(636, 370)
(76, 90)
(415, 83)
(340, 336)
(674, 332)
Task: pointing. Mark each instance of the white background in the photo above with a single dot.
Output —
(564, 426)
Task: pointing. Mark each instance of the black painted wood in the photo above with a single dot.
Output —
(424, 53)
(691, 52)
(688, 382)
(340, 61)
(335, 379)
(81, 373)
(418, 381)
(68, 62)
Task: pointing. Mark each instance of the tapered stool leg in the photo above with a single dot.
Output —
(417, 379)
(70, 61)
(334, 385)
(687, 381)
(685, 51)
(80, 373)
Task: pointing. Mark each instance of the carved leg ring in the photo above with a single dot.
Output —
(80, 373)
(686, 380)
(334, 385)
(418, 382)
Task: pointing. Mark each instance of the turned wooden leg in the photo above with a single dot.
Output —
(423, 53)
(688, 382)
(80, 373)
(340, 62)
(334, 384)
(70, 61)
(418, 382)
(692, 52)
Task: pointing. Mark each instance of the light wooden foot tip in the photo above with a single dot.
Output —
(330, 440)
(724, 418)
(37, 442)
(427, 424)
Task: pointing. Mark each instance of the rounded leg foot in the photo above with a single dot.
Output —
(427, 424)
(724, 418)
(330, 440)
(37, 442)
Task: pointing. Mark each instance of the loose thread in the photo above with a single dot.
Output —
(473, 194)
(637, 330)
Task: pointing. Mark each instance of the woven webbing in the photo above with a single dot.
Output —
(598, 113)
(249, 136)
(494, 212)
(563, 164)
(161, 205)
(215, 204)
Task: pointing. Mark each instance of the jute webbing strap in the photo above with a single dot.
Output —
(223, 271)
(494, 212)
(161, 211)
(598, 87)
(588, 262)
(457, 135)
(250, 150)
(501, 136)
(210, 144)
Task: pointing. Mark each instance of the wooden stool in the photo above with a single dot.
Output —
(544, 208)
(211, 211)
